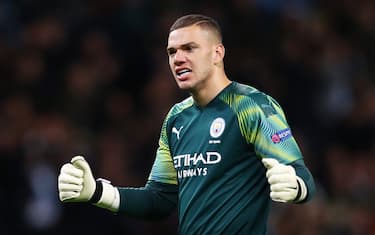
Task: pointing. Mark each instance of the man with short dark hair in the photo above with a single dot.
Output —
(224, 152)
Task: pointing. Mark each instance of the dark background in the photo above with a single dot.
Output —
(92, 78)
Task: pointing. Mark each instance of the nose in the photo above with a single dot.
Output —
(179, 57)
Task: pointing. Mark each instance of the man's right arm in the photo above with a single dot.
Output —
(155, 200)
(77, 184)
(160, 195)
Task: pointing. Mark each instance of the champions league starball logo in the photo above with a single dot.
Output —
(281, 136)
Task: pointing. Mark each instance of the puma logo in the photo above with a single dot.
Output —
(177, 132)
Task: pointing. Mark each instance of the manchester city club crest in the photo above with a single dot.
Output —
(217, 127)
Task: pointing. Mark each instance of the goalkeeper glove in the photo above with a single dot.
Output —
(76, 184)
(285, 185)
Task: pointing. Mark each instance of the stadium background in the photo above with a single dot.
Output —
(91, 77)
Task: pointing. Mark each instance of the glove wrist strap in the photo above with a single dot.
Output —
(106, 196)
(302, 190)
(97, 193)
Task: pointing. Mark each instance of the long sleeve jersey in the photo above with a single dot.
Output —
(208, 163)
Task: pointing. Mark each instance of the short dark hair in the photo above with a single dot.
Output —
(203, 21)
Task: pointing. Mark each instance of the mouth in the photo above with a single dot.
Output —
(181, 73)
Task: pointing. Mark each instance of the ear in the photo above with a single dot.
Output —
(219, 53)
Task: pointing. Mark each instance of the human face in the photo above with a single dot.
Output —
(191, 52)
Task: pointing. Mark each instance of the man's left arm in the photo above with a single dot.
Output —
(264, 126)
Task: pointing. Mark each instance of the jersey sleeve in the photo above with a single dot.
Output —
(264, 125)
(163, 170)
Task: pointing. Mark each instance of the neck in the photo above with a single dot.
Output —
(210, 90)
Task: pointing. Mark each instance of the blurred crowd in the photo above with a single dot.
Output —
(91, 78)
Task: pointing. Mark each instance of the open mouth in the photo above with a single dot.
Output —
(182, 72)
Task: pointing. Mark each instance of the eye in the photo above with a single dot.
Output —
(171, 51)
(188, 48)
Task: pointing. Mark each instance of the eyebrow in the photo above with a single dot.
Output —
(191, 44)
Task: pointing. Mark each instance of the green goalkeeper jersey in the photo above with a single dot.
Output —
(212, 154)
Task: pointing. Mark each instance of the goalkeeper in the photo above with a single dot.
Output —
(224, 152)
